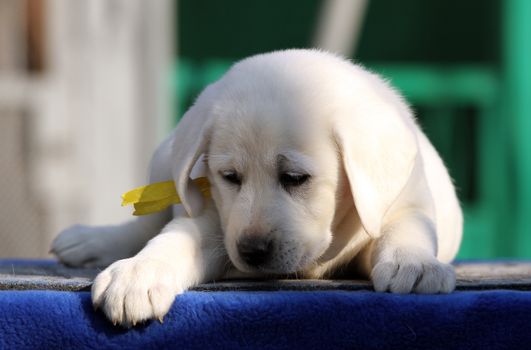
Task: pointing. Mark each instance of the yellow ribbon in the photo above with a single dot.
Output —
(158, 196)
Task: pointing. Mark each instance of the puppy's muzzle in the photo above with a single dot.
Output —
(255, 250)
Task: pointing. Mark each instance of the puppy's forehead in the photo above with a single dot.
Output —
(264, 109)
(264, 114)
(266, 134)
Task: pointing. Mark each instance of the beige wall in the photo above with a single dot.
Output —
(77, 135)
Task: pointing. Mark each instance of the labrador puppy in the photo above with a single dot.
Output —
(315, 165)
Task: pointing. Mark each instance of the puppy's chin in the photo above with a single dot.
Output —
(294, 264)
(268, 269)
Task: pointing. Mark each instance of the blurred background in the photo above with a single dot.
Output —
(89, 87)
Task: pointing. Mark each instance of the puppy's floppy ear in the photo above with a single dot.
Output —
(190, 141)
(379, 151)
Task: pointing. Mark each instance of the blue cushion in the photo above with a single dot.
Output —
(281, 319)
(311, 319)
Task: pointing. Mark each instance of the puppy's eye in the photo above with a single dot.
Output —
(231, 176)
(290, 179)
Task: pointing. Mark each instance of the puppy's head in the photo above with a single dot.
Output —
(274, 175)
(278, 132)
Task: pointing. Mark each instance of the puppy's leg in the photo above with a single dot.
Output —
(404, 259)
(187, 252)
(99, 246)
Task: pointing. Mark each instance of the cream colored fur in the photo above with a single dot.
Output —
(378, 199)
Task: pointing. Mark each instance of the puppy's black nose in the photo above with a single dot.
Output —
(255, 250)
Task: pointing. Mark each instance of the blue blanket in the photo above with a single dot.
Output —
(498, 319)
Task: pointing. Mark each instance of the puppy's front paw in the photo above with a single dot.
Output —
(408, 270)
(135, 290)
(91, 246)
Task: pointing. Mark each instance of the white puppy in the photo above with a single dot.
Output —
(315, 164)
